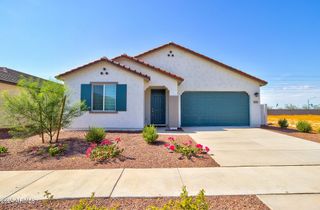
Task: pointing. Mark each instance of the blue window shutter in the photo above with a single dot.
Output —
(121, 101)
(86, 95)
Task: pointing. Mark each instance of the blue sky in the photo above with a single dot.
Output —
(278, 41)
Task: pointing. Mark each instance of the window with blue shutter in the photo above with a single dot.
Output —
(86, 95)
(104, 97)
(121, 100)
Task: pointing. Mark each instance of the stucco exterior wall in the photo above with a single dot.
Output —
(202, 75)
(157, 79)
(133, 118)
(12, 89)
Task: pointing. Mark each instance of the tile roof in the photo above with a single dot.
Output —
(105, 59)
(262, 82)
(12, 76)
(180, 79)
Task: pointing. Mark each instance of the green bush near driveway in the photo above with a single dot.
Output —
(304, 126)
(283, 123)
(95, 135)
(105, 152)
(150, 134)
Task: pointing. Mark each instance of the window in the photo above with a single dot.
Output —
(104, 97)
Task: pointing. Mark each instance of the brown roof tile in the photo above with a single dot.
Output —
(146, 77)
(11, 76)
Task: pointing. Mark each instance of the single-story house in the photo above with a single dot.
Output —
(170, 85)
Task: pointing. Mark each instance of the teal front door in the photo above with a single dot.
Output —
(158, 107)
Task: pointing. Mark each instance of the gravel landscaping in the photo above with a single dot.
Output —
(23, 155)
(245, 202)
(292, 132)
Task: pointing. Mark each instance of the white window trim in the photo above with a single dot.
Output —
(103, 94)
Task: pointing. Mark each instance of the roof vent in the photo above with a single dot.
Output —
(170, 54)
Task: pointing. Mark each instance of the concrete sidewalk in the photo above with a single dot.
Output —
(159, 182)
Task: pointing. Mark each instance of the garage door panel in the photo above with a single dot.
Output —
(214, 109)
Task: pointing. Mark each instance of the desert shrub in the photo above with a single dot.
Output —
(57, 149)
(185, 202)
(283, 123)
(3, 150)
(48, 198)
(304, 126)
(105, 150)
(150, 134)
(87, 204)
(95, 135)
(187, 149)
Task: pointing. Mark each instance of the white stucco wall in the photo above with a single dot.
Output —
(133, 118)
(157, 79)
(202, 75)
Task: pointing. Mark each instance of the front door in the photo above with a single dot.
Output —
(158, 107)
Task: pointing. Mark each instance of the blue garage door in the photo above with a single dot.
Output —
(214, 109)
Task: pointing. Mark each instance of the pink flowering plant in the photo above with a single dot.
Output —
(186, 149)
(107, 149)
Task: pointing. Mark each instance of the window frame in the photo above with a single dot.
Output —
(103, 98)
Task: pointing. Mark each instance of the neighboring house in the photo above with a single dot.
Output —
(168, 86)
(9, 79)
(8, 82)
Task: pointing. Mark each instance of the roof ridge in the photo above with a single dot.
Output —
(151, 66)
(262, 82)
(104, 58)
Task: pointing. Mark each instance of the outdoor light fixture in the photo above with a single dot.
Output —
(256, 94)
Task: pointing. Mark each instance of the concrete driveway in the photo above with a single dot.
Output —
(255, 147)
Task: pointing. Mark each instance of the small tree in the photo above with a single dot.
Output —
(40, 108)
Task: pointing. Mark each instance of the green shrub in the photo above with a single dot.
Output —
(185, 202)
(186, 151)
(304, 126)
(150, 134)
(55, 150)
(283, 123)
(95, 135)
(103, 152)
(3, 150)
(87, 204)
